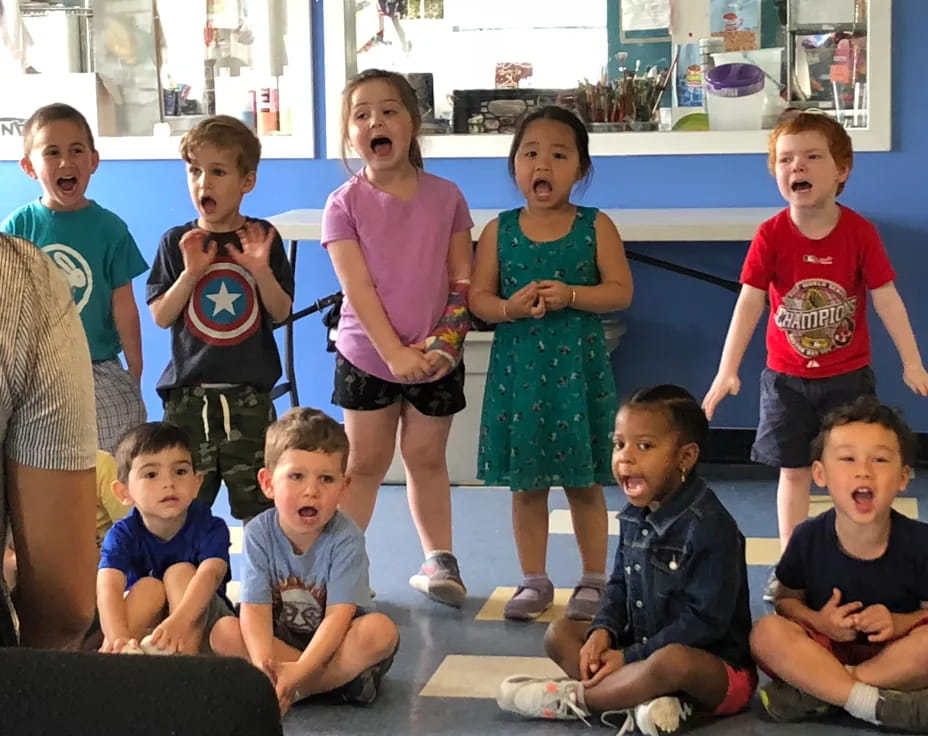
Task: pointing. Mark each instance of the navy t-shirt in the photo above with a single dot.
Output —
(133, 550)
(224, 334)
(815, 563)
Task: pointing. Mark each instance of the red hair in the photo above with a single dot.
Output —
(839, 142)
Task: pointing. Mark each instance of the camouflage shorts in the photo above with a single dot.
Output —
(226, 427)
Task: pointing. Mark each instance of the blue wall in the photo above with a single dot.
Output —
(676, 325)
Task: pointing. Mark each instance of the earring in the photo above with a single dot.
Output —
(682, 474)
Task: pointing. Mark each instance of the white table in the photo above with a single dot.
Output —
(648, 226)
(644, 226)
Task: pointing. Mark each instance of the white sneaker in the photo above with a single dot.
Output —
(662, 716)
(538, 697)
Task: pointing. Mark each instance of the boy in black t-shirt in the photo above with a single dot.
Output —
(220, 283)
(849, 631)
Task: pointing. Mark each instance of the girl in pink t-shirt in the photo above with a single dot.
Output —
(400, 242)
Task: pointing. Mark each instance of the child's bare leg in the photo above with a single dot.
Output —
(144, 606)
(793, 491)
(530, 527)
(785, 648)
(226, 640)
(372, 437)
(563, 641)
(591, 525)
(176, 579)
(423, 443)
(675, 668)
(370, 639)
(902, 665)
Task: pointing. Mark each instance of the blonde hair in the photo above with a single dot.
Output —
(307, 429)
(839, 142)
(226, 133)
(408, 99)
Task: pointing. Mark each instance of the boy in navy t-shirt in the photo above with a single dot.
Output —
(165, 566)
(849, 631)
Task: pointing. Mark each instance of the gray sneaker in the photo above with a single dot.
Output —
(584, 609)
(529, 602)
(903, 711)
(788, 704)
(440, 579)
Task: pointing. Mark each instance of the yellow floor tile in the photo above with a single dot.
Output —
(493, 609)
(236, 534)
(762, 551)
(476, 676)
(559, 522)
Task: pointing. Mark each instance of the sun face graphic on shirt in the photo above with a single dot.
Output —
(298, 606)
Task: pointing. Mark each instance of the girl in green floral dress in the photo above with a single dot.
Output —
(544, 273)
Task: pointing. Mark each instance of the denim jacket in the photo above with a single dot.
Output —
(680, 578)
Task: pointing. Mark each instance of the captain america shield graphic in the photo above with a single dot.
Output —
(223, 309)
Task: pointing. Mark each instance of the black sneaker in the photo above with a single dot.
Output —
(363, 689)
(788, 704)
(903, 711)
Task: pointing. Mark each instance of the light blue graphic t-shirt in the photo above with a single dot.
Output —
(299, 587)
(96, 253)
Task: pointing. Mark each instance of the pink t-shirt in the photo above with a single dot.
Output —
(405, 245)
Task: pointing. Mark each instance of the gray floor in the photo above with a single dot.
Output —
(484, 545)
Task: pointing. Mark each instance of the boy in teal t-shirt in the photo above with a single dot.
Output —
(96, 254)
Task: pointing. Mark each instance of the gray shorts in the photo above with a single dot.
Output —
(218, 608)
(119, 403)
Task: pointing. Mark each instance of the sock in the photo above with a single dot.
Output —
(861, 703)
(591, 586)
(581, 700)
(532, 584)
(436, 552)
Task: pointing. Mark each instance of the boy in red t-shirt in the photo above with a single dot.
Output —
(817, 260)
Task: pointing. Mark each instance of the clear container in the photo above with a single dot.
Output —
(734, 97)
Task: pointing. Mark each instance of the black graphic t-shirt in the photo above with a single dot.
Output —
(224, 334)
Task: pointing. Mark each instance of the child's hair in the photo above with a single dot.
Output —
(148, 439)
(226, 133)
(408, 99)
(560, 115)
(839, 142)
(306, 429)
(686, 415)
(51, 114)
(869, 410)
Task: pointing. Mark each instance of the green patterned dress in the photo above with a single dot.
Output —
(549, 406)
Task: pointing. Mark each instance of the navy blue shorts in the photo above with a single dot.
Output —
(792, 409)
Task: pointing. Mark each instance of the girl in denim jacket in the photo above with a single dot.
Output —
(671, 637)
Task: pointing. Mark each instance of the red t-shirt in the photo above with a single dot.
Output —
(818, 293)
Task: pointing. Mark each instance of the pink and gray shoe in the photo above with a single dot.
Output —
(440, 579)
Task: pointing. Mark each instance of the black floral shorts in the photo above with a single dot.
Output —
(360, 391)
(392, 8)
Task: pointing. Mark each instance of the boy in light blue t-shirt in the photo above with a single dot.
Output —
(96, 254)
(306, 615)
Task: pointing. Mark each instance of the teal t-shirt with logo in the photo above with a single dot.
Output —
(96, 253)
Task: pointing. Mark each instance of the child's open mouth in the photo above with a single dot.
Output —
(381, 146)
(634, 485)
(308, 512)
(801, 186)
(542, 188)
(208, 205)
(67, 184)
(863, 500)
(170, 499)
